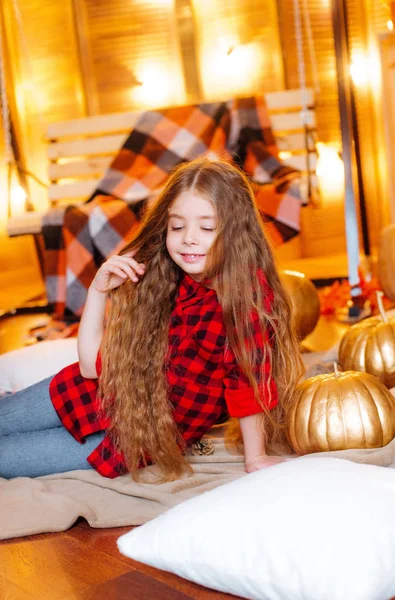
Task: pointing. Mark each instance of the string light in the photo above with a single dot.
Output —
(330, 173)
(359, 70)
(391, 11)
(18, 200)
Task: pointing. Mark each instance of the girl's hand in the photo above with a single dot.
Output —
(116, 270)
(262, 462)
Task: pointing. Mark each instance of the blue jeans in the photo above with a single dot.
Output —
(33, 441)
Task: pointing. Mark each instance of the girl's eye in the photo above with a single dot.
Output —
(180, 228)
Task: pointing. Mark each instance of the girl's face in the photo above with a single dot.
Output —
(191, 231)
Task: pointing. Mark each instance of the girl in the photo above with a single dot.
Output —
(199, 328)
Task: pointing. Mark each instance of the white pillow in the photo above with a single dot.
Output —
(25, 366)
(309, 529)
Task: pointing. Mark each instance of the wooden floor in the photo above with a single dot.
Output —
(84, 563)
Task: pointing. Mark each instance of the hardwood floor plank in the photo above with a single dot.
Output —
(11, 591)
(56, 566)
(131, 586)
(70, 555)
(15, 330)
(104, 540)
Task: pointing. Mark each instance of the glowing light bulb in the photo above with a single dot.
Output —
(359, 71)
(330, 173)
(18, 200)
(158, 85)
(284, 154)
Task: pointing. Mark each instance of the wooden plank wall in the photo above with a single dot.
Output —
(133, 43)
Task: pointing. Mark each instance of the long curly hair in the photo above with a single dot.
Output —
(133, 385)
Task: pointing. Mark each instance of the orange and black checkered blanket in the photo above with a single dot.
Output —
(78, 238)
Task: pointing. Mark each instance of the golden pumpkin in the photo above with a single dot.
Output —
(341, 411)
(386, 261)
(370, 346)
(305, 301)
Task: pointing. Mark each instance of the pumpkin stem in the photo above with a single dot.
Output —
(336, 369)
(379, 295)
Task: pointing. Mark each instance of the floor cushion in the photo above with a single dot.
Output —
(309, 529)
(26, 366)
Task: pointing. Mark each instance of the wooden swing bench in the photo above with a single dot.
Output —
(80, 150)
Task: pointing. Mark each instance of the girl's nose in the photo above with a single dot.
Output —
(190, 237)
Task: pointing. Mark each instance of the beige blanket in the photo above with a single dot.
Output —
(54, 502)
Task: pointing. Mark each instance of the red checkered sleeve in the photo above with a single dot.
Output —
(239, 394)
(75, 400)
(106, 460)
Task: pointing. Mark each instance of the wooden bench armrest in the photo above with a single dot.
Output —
(29, 223)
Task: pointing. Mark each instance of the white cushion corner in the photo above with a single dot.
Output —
(26, 366)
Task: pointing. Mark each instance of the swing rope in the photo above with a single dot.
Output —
(305, 113)
(310, 41)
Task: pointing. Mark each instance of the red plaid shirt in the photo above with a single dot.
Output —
(204, 378)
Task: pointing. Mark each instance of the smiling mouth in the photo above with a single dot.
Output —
(192, 257)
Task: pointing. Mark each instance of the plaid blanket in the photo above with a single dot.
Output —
(78, 238)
